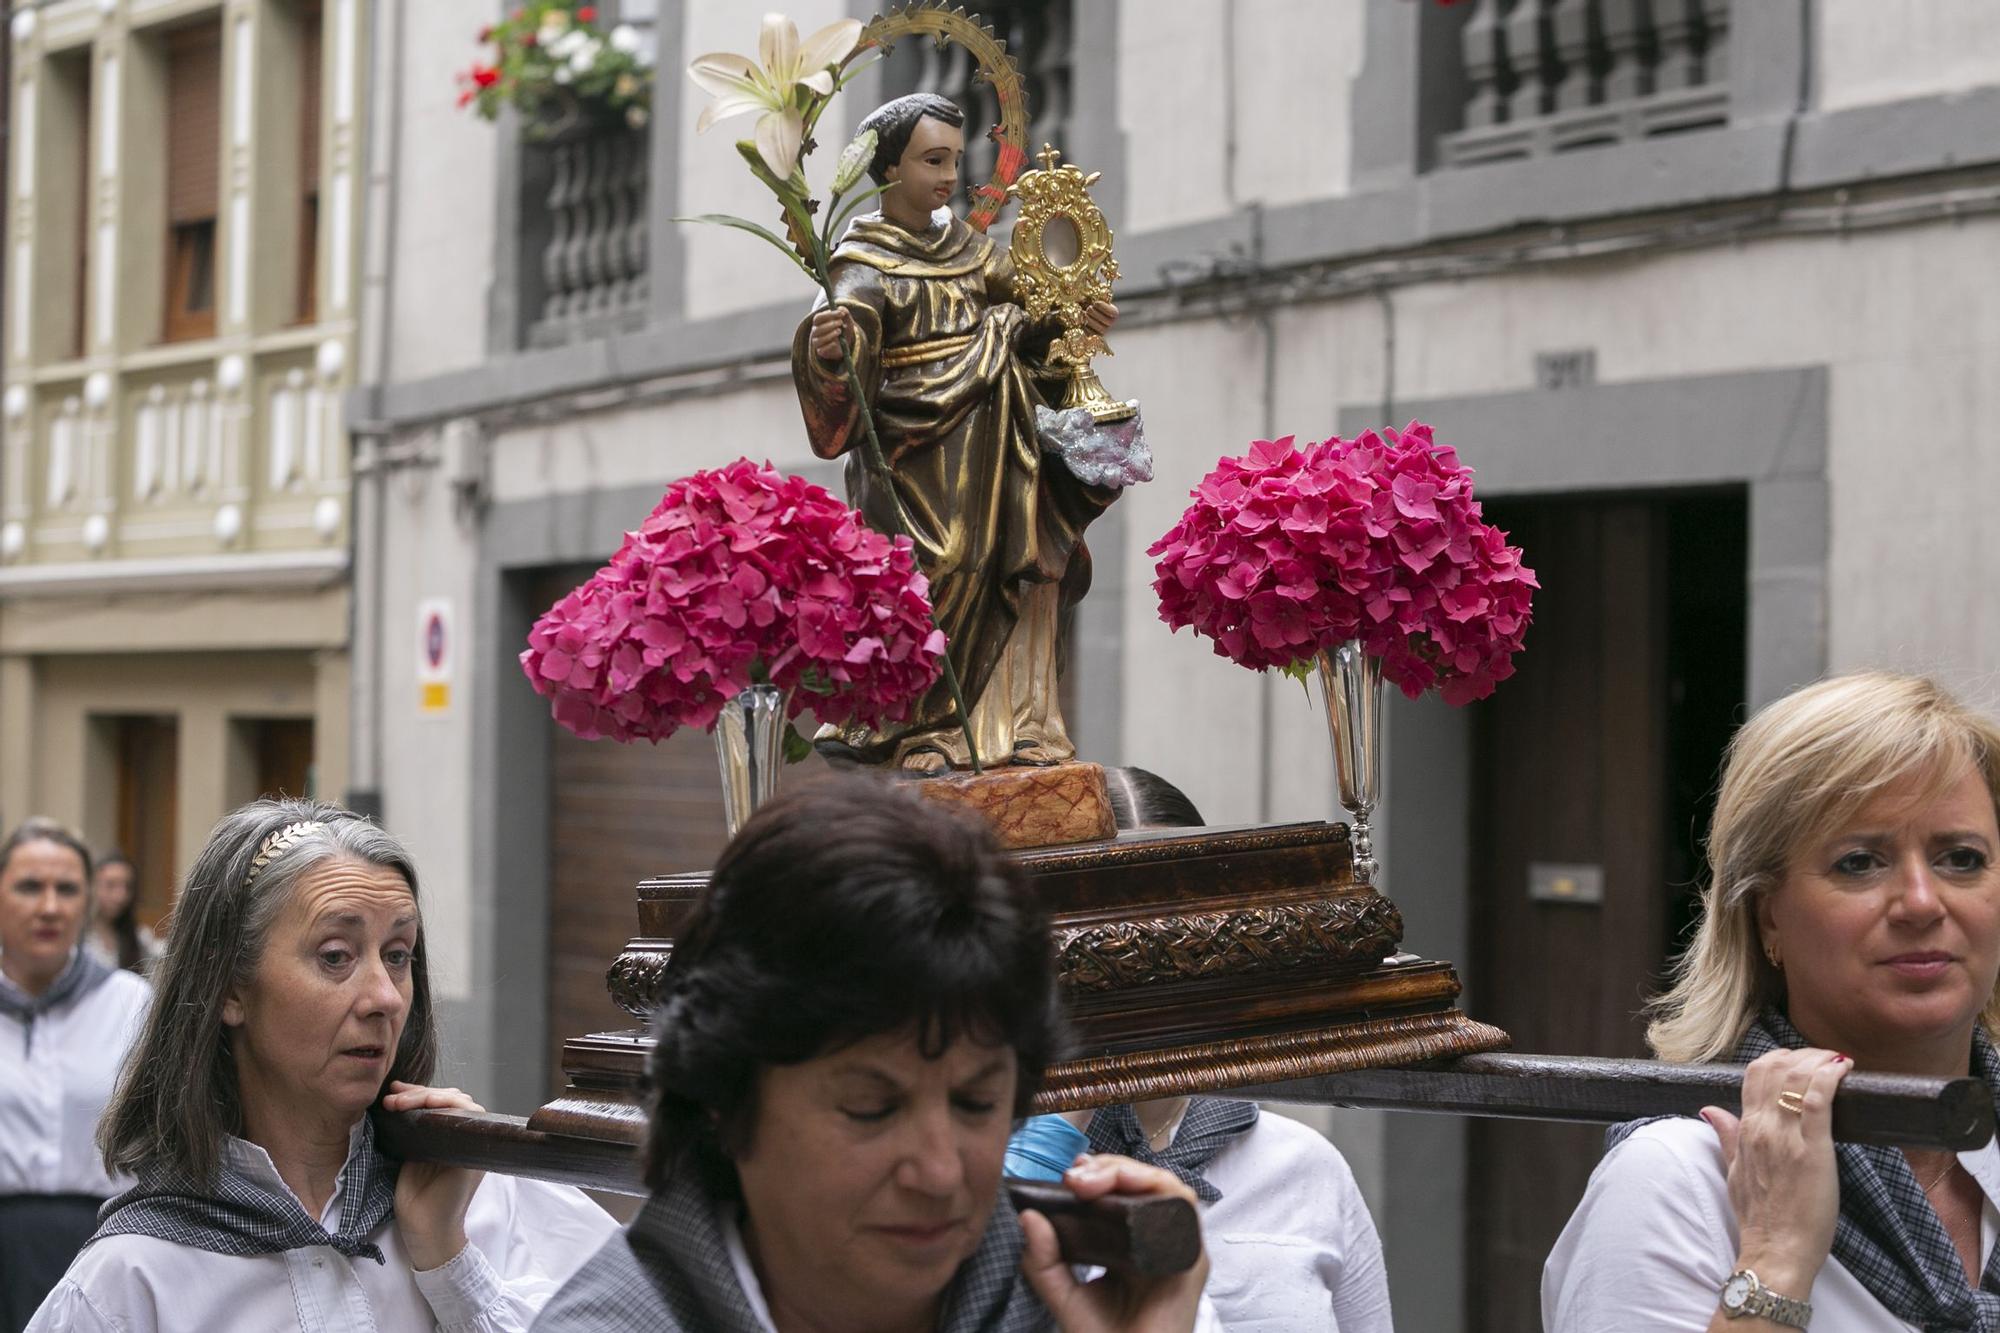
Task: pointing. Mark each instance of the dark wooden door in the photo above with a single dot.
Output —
(148, 750)
(618, 814)
(1599, 752)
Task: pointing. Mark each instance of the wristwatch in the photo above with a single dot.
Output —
(1744, 1297)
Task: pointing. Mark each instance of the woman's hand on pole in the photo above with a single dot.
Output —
(1114, 1303)
(1784, 1186)
(431, 1198)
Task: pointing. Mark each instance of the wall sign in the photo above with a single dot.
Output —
(435, 650)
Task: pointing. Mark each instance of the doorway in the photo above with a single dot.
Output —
(146, 751)
(1595, 766)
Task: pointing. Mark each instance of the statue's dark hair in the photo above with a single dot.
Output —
(846, 910)
(1143, 799)
(178, 1095)
(894, 123)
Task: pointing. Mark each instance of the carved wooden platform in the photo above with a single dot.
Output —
(1192, 960)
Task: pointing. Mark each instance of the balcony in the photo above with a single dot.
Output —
(584, 230)
(1550, 76)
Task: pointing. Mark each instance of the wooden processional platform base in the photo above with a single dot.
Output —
(1192, 961)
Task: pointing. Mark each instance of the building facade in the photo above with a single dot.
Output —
(182, 259)
(1703, 291)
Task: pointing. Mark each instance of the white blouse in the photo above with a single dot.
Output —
(523, 1240)
(53, 1092)
(1290, 1242)
(1655, 1238)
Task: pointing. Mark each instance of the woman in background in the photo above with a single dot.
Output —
(66, 1020)
(117, 938)
(1290, 1242)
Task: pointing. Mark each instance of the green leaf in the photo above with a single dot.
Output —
(744, 224)
(847, 209)
(797, 747)
(1301, 670)
(747, 148)
(855, 67)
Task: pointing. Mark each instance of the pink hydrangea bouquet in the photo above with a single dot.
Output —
(740, 575)
(1286, 552)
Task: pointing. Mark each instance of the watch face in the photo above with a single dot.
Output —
(1736, 1291)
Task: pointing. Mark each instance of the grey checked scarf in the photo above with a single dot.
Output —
(241, 1216)
(1210, 1125)
(1888, 1235)
(83, 975)
(669, 1272)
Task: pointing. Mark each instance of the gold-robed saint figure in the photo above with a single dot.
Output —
(955, 371)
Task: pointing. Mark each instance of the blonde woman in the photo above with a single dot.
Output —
(1852, 920)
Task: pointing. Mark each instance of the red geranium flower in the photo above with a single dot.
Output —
(485, 76)
(587, 14)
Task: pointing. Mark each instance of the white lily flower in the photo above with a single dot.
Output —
(740, 84)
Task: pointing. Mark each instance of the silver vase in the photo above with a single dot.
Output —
(1352, 682)
(749, 751)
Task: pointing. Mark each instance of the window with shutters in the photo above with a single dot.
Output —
(194, 180)
(1039, 36)
(63, 194)
(309, 123)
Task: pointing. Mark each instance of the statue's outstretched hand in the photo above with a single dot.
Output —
(829, 329)
(1099, 316)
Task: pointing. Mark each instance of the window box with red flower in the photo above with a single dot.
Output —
(556, 63)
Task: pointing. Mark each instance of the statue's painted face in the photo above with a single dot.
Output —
(926, 177)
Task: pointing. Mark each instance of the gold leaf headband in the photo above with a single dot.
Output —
(277, 845)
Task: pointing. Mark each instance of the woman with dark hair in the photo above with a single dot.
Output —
(293, 997)
(65, 1022)
(955, 372)
(1288, 1233)
(117, 938)
(860, 1008)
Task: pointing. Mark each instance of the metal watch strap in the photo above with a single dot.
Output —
(1778, 1309)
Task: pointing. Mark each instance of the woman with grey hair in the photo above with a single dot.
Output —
(1851, 921)
(66, 1020)
(293, 998)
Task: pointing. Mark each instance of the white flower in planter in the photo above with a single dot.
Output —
(585, 57)
(625, 39)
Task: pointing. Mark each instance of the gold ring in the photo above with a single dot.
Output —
(1795, 1102)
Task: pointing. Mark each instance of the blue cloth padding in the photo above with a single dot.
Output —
(1043, 1148)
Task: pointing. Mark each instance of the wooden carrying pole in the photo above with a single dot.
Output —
(1893, 1110)
(1158, 1236)
(1150, 1237)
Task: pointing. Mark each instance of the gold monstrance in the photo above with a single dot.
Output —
(1062, 265)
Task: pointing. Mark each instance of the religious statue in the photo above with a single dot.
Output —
(962, 382)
